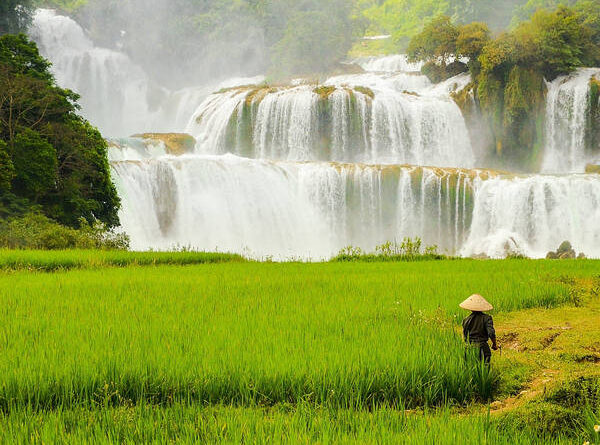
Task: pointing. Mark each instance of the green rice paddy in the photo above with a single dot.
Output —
(253, 352)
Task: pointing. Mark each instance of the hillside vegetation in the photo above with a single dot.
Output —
(509, 71)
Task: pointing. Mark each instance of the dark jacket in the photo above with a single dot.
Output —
(478, 328)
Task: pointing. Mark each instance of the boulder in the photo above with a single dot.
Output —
(565, 252)
(567, 255)
(564, 247)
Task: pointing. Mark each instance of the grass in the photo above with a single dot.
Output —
(46, 260)
(183, 423)
(328, 352)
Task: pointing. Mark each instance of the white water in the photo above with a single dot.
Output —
(273, 203)
(394, 63)
(311, 210)
(117, 96)
(533, 215)
(394, 127)
(287, 209)
(567, 111)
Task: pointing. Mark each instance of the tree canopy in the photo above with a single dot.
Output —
(14, 16)
(508, 71)
(50, 158)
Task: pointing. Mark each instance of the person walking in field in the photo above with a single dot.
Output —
(478, 327)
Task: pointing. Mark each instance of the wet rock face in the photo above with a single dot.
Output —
(175, 143)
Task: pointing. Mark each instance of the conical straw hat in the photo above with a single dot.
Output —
(476, 303)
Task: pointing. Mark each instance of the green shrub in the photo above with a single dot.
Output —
(36, 231)
(407, 250)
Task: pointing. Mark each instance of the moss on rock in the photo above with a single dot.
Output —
(324, 91)
(175, 143)
(366, 91)
(592, 168)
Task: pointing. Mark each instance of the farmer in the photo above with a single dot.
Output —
(478, 327)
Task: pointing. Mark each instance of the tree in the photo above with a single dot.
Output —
(35, 165)
(556, 42)
(471, 40)
(14, 16)
(7, 170)
(588, 14)
(60, 161)
(437, 41)
(313, 42)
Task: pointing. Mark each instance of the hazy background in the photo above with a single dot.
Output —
(188, 42)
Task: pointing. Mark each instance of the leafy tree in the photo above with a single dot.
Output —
(14, 15)
(496, 14)
(471, 40)
(436, 44)
(312, 43)
(60, 161)
(7, 170)
(437, 41)
(402, 19)
(556, 42)
(35, 165)
(588, 14)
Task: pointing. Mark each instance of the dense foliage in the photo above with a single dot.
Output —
(14, 15)
(52, 159)
(36, 231)
(403, 19)
(508, 71)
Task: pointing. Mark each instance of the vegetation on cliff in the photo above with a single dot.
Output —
(509, 70)
(52, 160)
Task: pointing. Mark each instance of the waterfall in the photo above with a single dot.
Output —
(311, 210)
(287, 209)
(117, 95)
(114, 91)
(533, 215)
(301, 171)
(335, 122)
(567, 122)
(394, 63)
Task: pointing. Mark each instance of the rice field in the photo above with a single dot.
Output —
(46, 260)
(221, 424)
(244, 350)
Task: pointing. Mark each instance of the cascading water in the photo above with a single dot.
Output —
(313, 209)
(532, 215)
(114, 91)
(335, 122)
(567, 121)
(116, 94)
(395, 63)
(285, 198)
(287, 209)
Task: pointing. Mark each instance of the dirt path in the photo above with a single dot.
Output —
(537, 387)
(557, 344)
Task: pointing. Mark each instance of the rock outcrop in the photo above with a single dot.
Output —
(592, 168)
(565, 251)
(175, 143)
